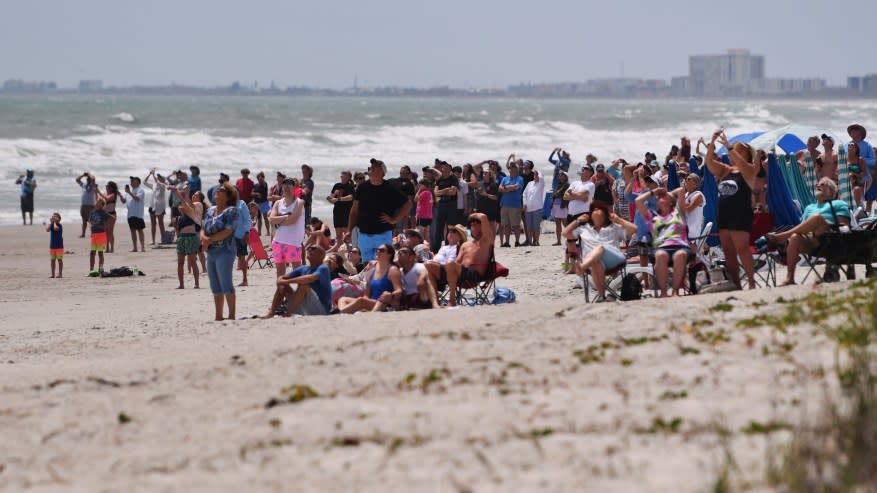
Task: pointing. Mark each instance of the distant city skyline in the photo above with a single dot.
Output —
(487, 44)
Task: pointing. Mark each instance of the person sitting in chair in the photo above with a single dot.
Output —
(473, 258)
(601, 232)
(816, 220)
(669, 236)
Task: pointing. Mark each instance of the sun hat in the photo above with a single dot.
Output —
(860, 128)
(461, 230)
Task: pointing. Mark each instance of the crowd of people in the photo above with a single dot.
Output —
(399, 242)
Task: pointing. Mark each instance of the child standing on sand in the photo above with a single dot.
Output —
(98, 219)
(56, 244)
(423, 207)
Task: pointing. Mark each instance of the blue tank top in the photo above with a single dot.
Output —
(377, 287)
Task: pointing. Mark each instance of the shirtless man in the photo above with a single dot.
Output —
(471, 262)
(828, 169)
(812, 151)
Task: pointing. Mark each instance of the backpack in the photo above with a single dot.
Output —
(631, 289)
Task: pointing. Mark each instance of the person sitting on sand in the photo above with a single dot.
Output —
(669, 235)
(417, 290)
(816, 220)
(312, 294)
(383, 287)
(414, 240)
(601, 232)
(474, 256)
(318, 234)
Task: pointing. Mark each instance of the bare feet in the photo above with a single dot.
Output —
(143, 249)
(134, 251)
(788, 283)
(180, 287)
(197, 287)
(243, 284)
(60, 276)
(52, 276)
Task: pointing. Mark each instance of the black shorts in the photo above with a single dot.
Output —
(413, 302)
(241, 246)
(424, 222)
(467, 274)
(340, 217)
(672, 251)
(136, 223)
(27, 203)
(739, 220)
(572, 217)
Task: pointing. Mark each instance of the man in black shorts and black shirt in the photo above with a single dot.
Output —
(446, 207)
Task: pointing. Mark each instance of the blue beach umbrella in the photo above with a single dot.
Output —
(745, 138)
(792, 138)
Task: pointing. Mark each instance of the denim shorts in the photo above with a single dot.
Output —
(220, 265)
(612, 258)
(368, 244)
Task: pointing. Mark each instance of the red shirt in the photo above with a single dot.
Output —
(245, 189)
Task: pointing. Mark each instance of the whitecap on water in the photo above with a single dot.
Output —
(124, 117)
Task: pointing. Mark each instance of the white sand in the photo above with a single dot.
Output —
(77, 352)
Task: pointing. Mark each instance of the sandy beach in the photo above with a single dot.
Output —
(127, 385)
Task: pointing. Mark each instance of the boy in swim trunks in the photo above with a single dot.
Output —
(56, 244)
(98, 219)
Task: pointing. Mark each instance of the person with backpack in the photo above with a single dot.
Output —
(600, 232)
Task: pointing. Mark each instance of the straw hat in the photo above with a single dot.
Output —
(856, 126)
(461, 230)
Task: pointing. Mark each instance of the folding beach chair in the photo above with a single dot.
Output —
(259, 255)
(841, 252)
(483, 292)
(478, 293)
(699, 262)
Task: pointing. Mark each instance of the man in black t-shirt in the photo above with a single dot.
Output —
(446, 201)
(377, 207)
(342, 198)
(406, 184)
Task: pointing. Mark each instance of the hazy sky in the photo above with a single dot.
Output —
(462, 43)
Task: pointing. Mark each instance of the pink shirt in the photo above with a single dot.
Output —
(424, 204)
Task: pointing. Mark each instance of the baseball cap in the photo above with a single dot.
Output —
(829, 137)
(588, 167)
(601, 167)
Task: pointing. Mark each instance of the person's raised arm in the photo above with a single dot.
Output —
(712, 161)
(628, 226)
(569, 230)
(749, 170)
(79, 178)
(640, 203)
(551, 159)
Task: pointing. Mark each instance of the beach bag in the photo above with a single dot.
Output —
(631, 289)
(503, 295)
(167, 237)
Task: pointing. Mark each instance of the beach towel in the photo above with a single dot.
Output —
(810, 176)
(795, 181)
(779, 198)
(711, 203)
(844, 187)
(672, 176)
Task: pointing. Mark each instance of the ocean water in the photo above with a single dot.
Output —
(114, 137)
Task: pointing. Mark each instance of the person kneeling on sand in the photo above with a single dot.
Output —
(474, 256)
(313, 292)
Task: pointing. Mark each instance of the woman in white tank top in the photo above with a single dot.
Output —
(694, 202)
(288, 215)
